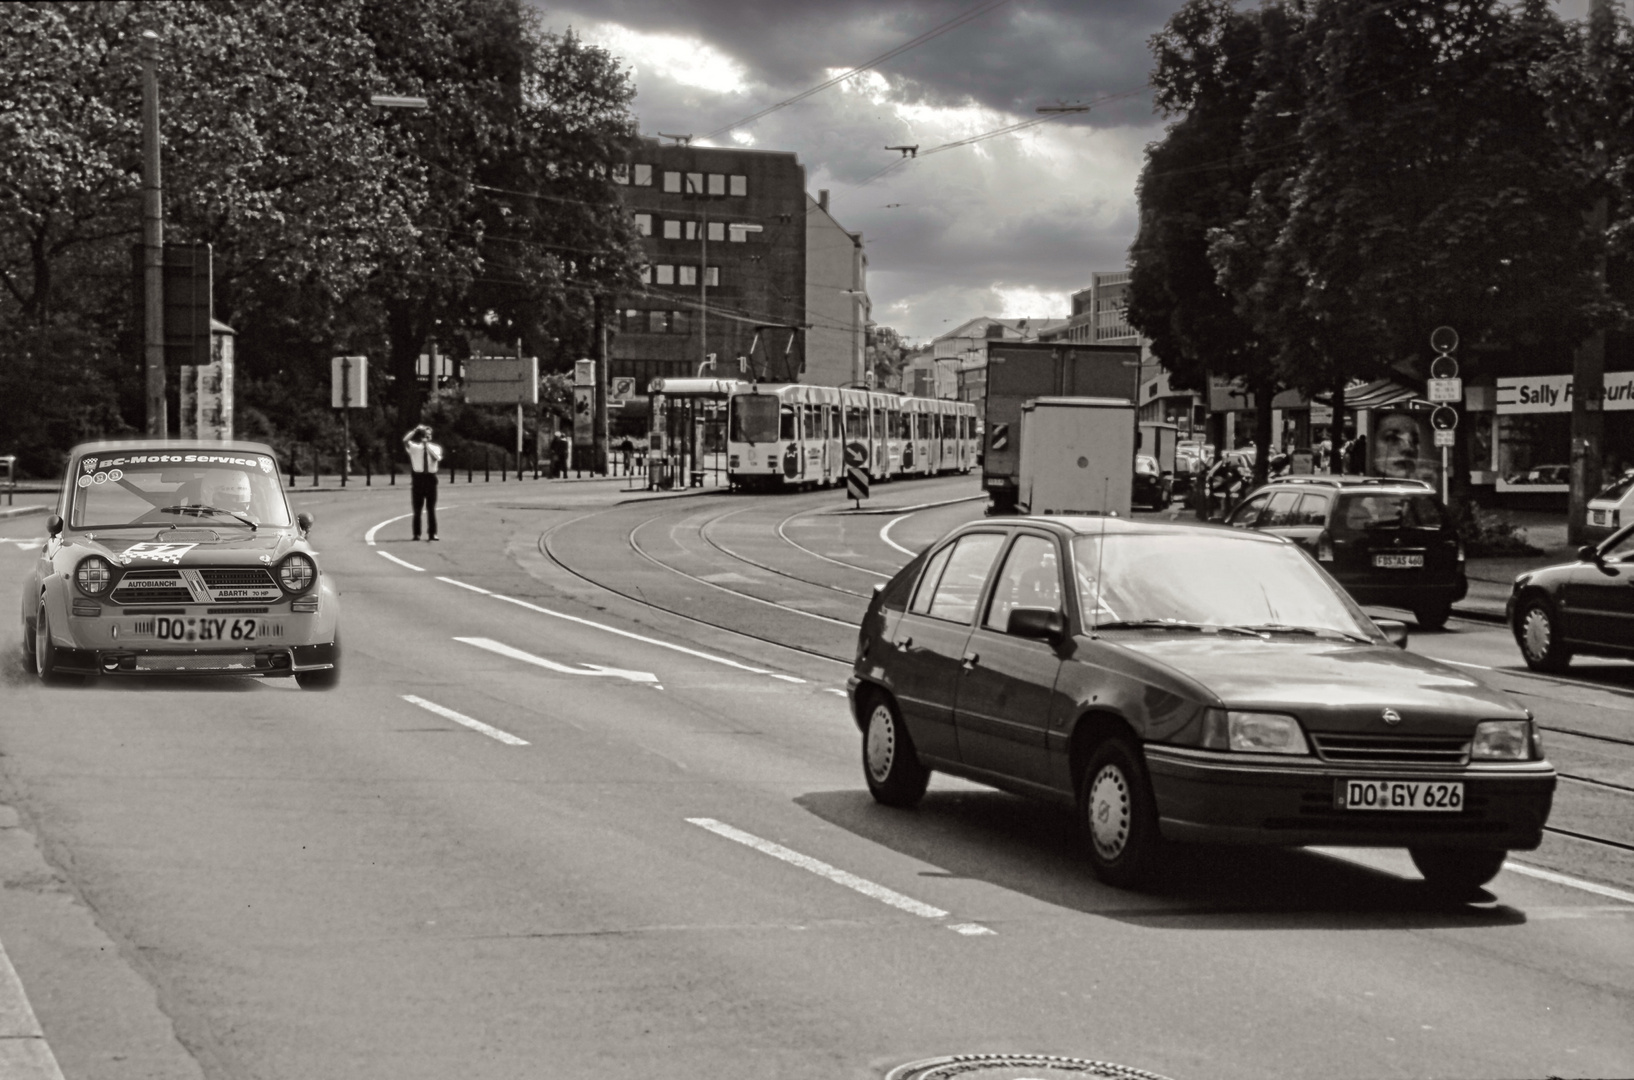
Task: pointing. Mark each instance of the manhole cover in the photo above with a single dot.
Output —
(1014, 1067)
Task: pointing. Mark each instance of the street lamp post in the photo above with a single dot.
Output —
(153, 243)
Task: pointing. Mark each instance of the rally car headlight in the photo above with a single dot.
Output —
(1502, 740)
(296, 573)
(1253, 732)
(93, 575)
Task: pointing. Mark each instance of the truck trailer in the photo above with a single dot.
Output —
(1077, 456)
(1019, 372)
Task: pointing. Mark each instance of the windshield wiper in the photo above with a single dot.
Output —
(1305, 631)
(200, 511)
(1150, 624)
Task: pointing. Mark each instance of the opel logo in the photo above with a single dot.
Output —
(1391, 716)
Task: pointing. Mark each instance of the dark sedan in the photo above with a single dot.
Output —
(1585, 606)
(1184, 683)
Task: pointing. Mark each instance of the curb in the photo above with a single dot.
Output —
(909, 509)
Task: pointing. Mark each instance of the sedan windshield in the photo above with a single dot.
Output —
(225, 490)
(754, 418)
(1203, 580)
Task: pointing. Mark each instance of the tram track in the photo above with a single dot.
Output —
(703, 531)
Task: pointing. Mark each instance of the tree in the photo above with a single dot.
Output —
(886, 353)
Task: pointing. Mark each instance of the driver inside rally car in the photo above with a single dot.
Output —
(228, 489)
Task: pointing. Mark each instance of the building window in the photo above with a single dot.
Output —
(657, 321)
(689, 275)
(695, 183)
(631, 321)
(712, 276)
(737, 233)
(646, 275)
(672, 229)
(643, 176)
(717, 230)
(666, 275)
(680, 322)
(740, 185)
(672, 181)
(621, 174)
(643, 224)
(692, 230)
(717, 184)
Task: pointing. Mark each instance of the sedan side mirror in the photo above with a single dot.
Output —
(304, 520)
(1588, 553)
(1394, 631)
(53, 525)
(1042, 623)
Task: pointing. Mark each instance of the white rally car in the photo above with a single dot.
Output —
(168, 556)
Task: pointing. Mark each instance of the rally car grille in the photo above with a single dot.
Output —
(229, 576)
(152, 587)
(1393, 749)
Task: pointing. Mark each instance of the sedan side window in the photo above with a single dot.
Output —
(1244, 515)
(966, 573)
(1031, 578)
(1312, 510)
(929, 580)
(1279, 512)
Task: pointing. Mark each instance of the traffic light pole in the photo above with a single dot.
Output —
(153, 244)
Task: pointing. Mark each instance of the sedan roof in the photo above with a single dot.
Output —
(1094, 525)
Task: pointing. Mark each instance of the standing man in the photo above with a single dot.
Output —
(424, 458)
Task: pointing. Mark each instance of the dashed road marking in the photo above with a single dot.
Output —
(460, 718)
(550, 665)
(1575, 883)
(885, 535)
(834, 690)
(400, 562)
(24, 1053)
(1463, 663)
(463, 585)
(368, 537)
(836, 875)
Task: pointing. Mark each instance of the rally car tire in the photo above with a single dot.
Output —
(45, 650)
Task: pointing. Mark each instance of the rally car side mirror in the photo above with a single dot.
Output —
(304, 520)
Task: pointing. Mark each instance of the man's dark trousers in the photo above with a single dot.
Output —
(423, 492)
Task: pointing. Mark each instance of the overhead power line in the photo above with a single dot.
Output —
(936, 31)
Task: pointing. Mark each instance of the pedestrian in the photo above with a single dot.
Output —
(425, 457)
(558, 456)
(627, 449)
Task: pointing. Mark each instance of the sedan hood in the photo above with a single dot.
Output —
(1332, 686)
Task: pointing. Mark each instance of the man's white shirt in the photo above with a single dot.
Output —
(424, 456)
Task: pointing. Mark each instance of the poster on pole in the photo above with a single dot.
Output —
(584, 416)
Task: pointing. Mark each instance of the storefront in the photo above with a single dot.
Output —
(1527, 437)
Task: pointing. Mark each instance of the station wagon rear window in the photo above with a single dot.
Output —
(1364, 513)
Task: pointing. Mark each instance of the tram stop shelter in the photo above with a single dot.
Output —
(686, 435)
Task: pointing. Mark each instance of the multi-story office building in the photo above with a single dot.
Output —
(725, 236)
(837, 307)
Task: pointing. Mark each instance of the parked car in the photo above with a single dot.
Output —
(1153, 487)
(179, 557)
(1611, 508)
(1387, 541)
(1186, 683)
(1583, 607)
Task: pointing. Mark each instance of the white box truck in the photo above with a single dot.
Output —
(1077, 456)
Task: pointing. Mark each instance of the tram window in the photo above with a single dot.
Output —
(753, 418)
(835, 429)
(856, 423)
(788, 424)
(814, 422)
(903, 425)
(879, 423)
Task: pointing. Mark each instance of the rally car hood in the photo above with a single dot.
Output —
(187, 546)
(1331, 685)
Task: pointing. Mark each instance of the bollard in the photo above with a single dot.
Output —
(487, 464)
(314, 466)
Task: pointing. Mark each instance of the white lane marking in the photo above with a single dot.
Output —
(970, 929)
(400, 562)
(1571, 882)
(463, 585)
(368, 537)
(835, 874)
(1461, 663)
(834, 690)
(787, 678)
(24, 1053)
(885, 535)
(550, 665)
(460, 718)
(642, 637)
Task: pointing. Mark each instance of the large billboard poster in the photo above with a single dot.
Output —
(1401, 444)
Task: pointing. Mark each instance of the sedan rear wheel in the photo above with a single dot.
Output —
(1119, 816)
(1457, 872)
(889, 761)
(1433, 615)
(1538, 634)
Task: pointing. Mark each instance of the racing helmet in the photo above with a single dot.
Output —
(228, 489)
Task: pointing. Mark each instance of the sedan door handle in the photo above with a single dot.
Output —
(971, 660)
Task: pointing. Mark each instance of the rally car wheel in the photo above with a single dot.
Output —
(45, 650)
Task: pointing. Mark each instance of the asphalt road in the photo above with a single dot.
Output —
(588, 803)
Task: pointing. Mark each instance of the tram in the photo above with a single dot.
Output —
(797, 436)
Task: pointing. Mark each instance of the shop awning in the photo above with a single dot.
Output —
(1377, 394)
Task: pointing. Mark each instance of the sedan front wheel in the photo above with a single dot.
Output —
(1119, 816)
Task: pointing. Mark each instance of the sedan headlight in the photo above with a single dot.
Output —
(296, 573)
(93, 575)
(1253, 732)
(1502, 740)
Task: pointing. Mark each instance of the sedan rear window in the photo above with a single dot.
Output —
(1617, 488)
(1364, 513)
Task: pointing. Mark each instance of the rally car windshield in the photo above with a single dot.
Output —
(226, 489)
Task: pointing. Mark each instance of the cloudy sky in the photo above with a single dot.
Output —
(1006, 226)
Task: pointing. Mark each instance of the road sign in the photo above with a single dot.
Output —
(349, 382)
(584, 373)
(1445, 389)
(1443, 418)
(856, 483)
(1443, 339)
(502, 380)
(1445, 436)
(1001, 436)
(620, 389)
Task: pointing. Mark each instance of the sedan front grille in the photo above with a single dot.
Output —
(1392, 749)
(152, 587)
